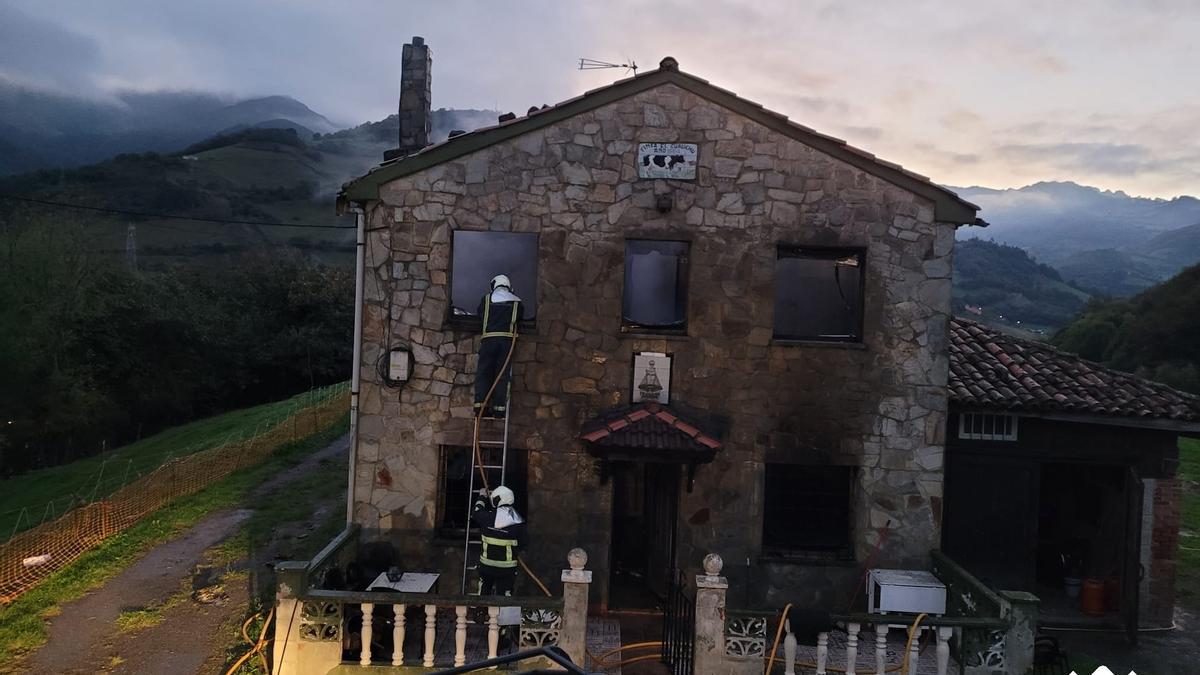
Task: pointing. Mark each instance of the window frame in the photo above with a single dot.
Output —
(629, 327)
(829, 252)
(518, 462)
(843, 551)
(470, 322)
(988, 420)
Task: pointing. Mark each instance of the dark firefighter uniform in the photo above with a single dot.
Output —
(499, 312)
(502, 535)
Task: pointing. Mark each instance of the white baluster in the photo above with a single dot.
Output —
(430, 630)
(852, 648)
(789, 650)
(881, 631)
(398, 636)
(493, 632)
(364, 656)
(822, 652)
(943, 649)
(914, 652)
(460, 635)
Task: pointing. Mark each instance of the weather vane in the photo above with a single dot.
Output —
(592, 64)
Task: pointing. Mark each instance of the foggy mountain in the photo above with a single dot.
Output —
(1102, 240)
(40, 129)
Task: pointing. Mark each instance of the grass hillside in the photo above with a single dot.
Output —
(1189, 531)
(1155, 333)
(1011, 289)
(30, 497)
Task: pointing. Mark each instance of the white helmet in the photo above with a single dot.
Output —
(501, 280)
(503, 496)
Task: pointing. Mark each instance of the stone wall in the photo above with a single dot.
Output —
(879, 406)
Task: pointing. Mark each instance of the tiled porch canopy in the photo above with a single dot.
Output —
(648, 432)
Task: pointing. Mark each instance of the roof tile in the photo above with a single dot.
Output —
(991, 370)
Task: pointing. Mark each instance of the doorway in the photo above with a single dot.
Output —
(1083, 532)
(644, 520)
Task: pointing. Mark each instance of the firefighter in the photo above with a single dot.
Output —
(502, 535)
(499, 311)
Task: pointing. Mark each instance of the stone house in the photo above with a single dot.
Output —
(805, 286)
(739, 340)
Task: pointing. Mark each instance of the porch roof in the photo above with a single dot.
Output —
(992, 370)
(648, 431)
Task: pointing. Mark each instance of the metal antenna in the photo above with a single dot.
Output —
(592, 64)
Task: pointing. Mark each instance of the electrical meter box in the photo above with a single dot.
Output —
(398, 365)
(905, 591)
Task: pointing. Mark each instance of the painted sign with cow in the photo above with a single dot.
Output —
(667, 160)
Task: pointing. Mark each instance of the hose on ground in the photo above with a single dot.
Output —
(256, 647)
(903, 666)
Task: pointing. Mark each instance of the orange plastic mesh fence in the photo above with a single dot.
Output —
(33, 555)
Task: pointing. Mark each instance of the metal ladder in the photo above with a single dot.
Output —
(487, 441)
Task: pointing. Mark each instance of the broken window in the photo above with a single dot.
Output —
(454, 500)
(656, 280)
(818, 294)
(478, 256)
(806, 510)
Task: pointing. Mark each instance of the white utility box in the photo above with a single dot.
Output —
(907, 591)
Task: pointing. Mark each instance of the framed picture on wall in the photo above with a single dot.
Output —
(651, 378)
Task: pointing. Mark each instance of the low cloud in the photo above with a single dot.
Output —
(44, 55)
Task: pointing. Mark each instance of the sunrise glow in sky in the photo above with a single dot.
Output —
(1101, 92)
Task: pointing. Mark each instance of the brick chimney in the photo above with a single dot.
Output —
(416, 73)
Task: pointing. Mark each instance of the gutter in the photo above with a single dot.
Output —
(360, 219)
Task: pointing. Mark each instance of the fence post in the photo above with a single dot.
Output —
(1022, 614)
(576, 582)
(711, 588)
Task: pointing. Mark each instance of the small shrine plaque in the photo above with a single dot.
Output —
(667, 160)
(651, 378)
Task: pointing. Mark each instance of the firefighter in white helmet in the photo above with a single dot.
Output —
(499, 312)
(502, 534)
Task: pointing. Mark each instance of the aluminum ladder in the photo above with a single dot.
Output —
(491, 434)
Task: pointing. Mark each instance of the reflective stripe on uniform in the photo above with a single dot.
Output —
(507, 544)
(512, 324)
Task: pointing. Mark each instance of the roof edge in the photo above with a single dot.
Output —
(948, 206)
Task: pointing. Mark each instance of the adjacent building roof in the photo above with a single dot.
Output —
(648, 431)
(948, 206)
(992, 370)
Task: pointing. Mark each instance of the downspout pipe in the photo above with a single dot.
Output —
(360, 248)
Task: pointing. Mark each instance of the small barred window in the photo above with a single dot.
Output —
(987, 427)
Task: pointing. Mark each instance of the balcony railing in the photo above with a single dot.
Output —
(321, 627)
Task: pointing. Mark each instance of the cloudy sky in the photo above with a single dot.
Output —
(1102, 92)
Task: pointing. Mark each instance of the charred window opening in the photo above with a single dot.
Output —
(478, 256)
(818, 294)
(453, 497)
(807, 511)
(656, 282)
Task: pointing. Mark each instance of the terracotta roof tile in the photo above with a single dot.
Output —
(991, 370)
(649, 427)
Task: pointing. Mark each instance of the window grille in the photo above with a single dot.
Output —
(987, 427)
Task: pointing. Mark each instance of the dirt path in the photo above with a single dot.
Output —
(84, 637)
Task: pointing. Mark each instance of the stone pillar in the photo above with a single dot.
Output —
(711, 588)
(1022, 613)
(416, 73)
(292, 654)
(576, 582)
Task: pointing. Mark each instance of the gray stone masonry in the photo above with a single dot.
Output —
(416, 98)
(879, 406)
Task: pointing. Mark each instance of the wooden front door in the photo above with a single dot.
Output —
(662, 512)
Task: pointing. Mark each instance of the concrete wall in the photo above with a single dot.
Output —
(879, 406)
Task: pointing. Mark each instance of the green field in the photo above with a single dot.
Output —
(30, 497)
(22, 624)
(1188, 581)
